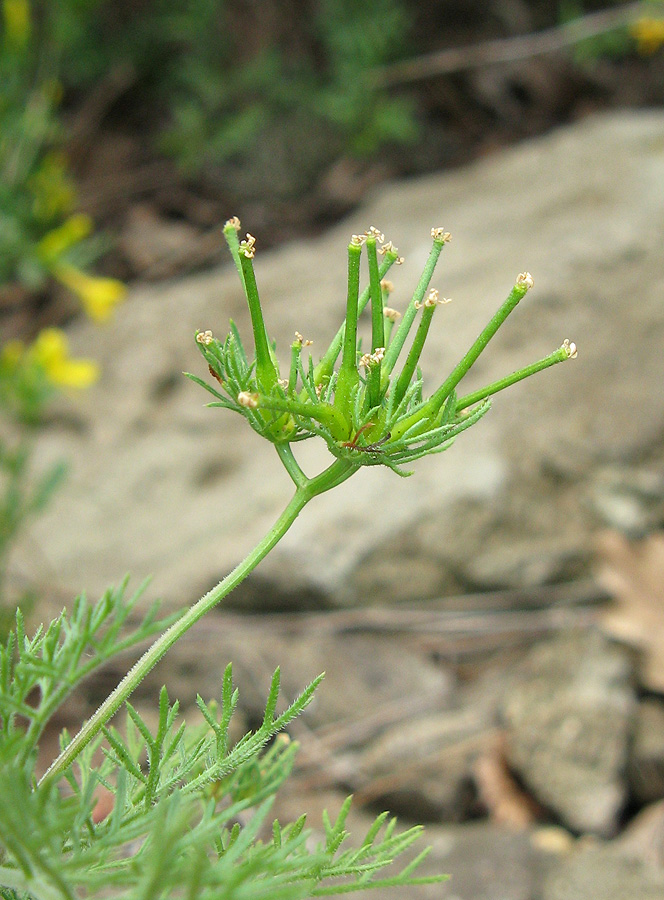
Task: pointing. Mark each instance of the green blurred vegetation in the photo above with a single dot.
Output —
(218, 75)
(207, 82)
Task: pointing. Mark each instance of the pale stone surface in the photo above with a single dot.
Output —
(569, 717)
(160, 485)
(604, 874)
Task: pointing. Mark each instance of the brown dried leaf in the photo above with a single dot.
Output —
(633, 572)
(505, 801)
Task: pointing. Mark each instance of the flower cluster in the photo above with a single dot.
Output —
(369, 406)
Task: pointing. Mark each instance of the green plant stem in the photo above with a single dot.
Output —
(326, 364)
(516, 295)
(348, 377)
(557, 356)
(233, 241)
(291, 465)
(401, 333)
(377, 322)
(414, 354)
(324, 413)
(266, 373)
(309, 488)
(296, 351)
(376, 294)
(432, 407)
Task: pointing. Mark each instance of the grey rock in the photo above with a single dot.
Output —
(646, 757)
(485, 862)
(366, 676)
(160, 485)
(569, 716)
(643, 838)
(423, 768)
(604, 873)
(629, 498)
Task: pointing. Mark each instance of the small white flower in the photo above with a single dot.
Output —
(525, 279)
(372, 359)
(248, 400)
(440, 235)
(570, 348)
(204, 337)
(248, 246)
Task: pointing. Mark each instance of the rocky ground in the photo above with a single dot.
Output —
(474, 678)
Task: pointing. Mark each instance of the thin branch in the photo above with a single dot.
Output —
(508, 50)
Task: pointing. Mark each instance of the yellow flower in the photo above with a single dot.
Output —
(98, 296)
(16, 16)
(50, 352)
(648, 33)
(57, 241)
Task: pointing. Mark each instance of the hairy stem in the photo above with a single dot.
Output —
(309, 488)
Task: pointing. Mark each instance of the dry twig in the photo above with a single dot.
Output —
(509, 50)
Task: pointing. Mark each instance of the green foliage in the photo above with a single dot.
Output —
(40, 234)
(615, 43)
(221, 108)
(219, 98)
(189, 814)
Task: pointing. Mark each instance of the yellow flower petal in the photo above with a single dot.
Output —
(50, 351)
(74, 373)
(99, 296)
(51, 344)
(57, 241)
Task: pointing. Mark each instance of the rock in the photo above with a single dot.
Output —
(424, 767)
(629, 498)
(603, 873)
(569, 716)
(156, 247)
(367, 677)
(646, 757)
(160, 485)
(484, 862)
(643, 839)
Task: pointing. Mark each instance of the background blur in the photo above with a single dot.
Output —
(156, 118)
(492, 628)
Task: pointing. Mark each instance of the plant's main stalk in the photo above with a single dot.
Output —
(335, 474)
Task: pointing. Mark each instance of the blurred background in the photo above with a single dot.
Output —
(156, 118)
(493, 628)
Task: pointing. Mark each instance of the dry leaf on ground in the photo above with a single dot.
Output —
(633, 572)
